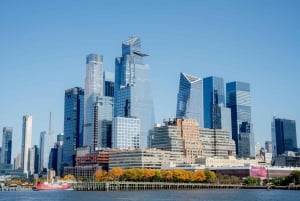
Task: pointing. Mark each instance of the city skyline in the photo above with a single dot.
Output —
(251, 42)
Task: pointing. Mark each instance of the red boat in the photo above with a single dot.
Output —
(52, 186)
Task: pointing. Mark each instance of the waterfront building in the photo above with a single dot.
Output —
(93, 89)
(143, 158)
(284, 136)
(178, 135)
(288, 159)
(73, 124)
(216, 143)
(239, 101)
(126, 133)
(109, 83)
(189, 98)
(213, 97)
(230, 161)
(132, 91)
(6, 145)
(26, 142)
(82, 172)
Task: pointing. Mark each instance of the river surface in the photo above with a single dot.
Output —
(164, 195)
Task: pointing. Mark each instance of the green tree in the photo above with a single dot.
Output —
(210, 176)
(295, 176)
(252, 181)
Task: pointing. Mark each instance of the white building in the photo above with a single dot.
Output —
(26, 142)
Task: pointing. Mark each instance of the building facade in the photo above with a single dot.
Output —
(109, 83)
(213, 98)
(93, 89)
(239, 101)
(132, 90)
(6, 145)
(34, 160)
(216, 143)
(26, 142)
(284, 136)
(126, 133)
(73, 124)
(189, 98)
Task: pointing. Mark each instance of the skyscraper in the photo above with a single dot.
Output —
(132, 94)
(73, 124)
(109, 83)
(189, 98)
(213, 99)
(284, 136)
(239, 101)
(93, 89)
(6, 145)
(26, 142)
(47, 141)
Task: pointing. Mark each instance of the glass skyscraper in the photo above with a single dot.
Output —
(239, 100)
(189, 98)
(132, 92)
(93, 89)
(73, 124)
(6, 145)
(109, 83)
(213, 100)
(284, 136)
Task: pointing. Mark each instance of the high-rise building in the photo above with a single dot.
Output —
(34, 160)
(213, 99)
(109, 83)
(268, 146)
(73, 124)
(189, 98)
(93, 89)
(132, 95)
(239, 101)
(6, 145)
(216, 143)
(26, 142)
(103, 122)
(17, 162)
(126, 133)
(178, 135)
(59, 145)
(47, 141)
(284, 136)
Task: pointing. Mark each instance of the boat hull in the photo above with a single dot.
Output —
(63, 186)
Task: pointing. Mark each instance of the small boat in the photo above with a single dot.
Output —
(52, 186)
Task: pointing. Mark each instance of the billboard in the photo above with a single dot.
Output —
(258, 172)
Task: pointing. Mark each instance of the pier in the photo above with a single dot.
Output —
(137, 186)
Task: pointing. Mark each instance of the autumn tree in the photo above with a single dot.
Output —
(100, 175)
(199, 176)
(116, 173)
(167, 175)
(69, 177)
(148, 174)
(134, 174)
(157, 175)
(210, 176)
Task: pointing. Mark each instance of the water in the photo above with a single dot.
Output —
(193, 195)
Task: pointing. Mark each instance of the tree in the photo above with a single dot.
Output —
(252, 181)
(167, 175)
(134, 174)
(148, 174)
(69, 177)
(210, 176)
(100, 175)
(157, 175)
(116, 173)
(199, 176)
(295, 176)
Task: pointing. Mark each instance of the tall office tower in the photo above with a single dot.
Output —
(59, 145)
(6, 145)
(189, 98)
(0, 155)
(26, 142)
(103, 122)
(34, 160)
(47, 141)
(93, 89)
(73, 124)
(17, 162)
(213, 99)
(239, 101)
(284, 136)
(109, 82)
(268, 146)
(132, 95)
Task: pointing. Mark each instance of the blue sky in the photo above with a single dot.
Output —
(43, 45)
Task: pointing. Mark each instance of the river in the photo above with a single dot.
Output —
(163, 195)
